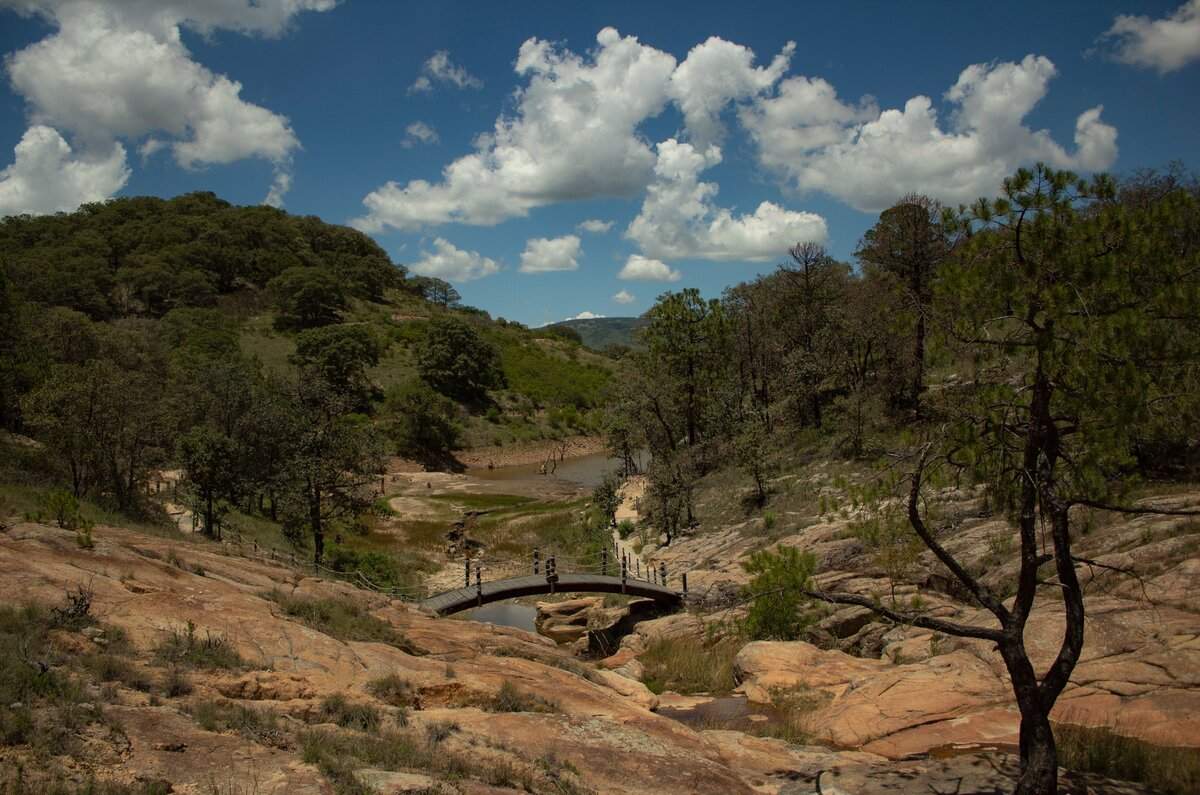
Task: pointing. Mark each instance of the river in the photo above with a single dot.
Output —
(585, 470)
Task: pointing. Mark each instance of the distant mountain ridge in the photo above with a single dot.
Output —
(600, 332)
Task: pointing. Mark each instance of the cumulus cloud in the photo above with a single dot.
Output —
(573, 136)
(1164, 44)
(714, 74)
(678, 218)
(639, 268)
(595, 226)
(419, 133)
(586, 315)
(46, 176)
(279, 188)
(440, 69)
(119, 70)
(868, 158)
(624, 297)
(543, 255)
(454, 264)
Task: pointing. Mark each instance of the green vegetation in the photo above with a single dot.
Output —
(183, 647)
(778, 585)
(258, 725)
(1107, 752)
(690, 665)
(603, 332)
(361, 717)
(393, 689)
(510, 698)
(342, 619)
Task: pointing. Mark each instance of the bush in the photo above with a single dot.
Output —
(186, 648)
(363, 717)
(777, 590)
(257, 725)
(64, 509)
(456, 361)
(511, 699)
(392, 689)
(1106, 751)
(690, 665)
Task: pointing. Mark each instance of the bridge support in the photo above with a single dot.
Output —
(624, 575)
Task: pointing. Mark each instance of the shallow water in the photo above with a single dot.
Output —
(586, 470)
(506, 614)
(726, 712)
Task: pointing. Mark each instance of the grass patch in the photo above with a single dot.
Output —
(794, 706)
(1107, 752)
(341, 619)
(185, 648)
(17, 782)
(690, 665)
(348, 715)
(257, 725)
(393, 689)
(106, 667)
(510, 698)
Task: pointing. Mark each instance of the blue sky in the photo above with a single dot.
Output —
(710, 136)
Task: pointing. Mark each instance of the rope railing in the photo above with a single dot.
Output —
(610, 560)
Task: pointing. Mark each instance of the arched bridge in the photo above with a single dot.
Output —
(584, 577)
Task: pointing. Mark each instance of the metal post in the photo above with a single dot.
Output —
(624, 573)
(536, 556)
(551, 572)
(466, 572)
(684, 578)
(662, 573)
(604, 562)
(639, 568)
(478, 585)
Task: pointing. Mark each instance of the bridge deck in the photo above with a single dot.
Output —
(459, 599)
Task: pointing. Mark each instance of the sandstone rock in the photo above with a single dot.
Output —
(632, 689)
(388, 782)
(567, 621)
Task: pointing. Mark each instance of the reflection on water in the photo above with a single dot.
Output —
(586, 470)
(506, 614)
(725, 712)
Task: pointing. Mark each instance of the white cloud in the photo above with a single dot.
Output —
(47, 177)
(542, 255)
(869, 158)
(624, 297)
(119, 70)
(678, 218)
(419, 133)
(574, 136)
(595, 226)
(586, 315)
(639, 268)
(279, 188)
(439, 68)
(1164, 44)
(714, 74)
(454, 264)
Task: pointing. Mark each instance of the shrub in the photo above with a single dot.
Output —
(363, 717)
(511, 699)
(777, 589)
(186, 648)
(690, 665)
(392, 689)
(1106, 751)
(63, 508)
(257, 725)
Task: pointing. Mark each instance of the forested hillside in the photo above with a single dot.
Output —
(1037, 354)
(605, 333)
(274, 359)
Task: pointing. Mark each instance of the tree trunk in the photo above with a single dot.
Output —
(1039, 756)
(314, 518)
(918, 384)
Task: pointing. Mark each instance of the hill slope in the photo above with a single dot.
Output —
(600, 332)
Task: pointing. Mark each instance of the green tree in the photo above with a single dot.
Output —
(778, 589)
(1073, 312)
(453, 359)
(332, 458)
(910, 242)
(423, 424)
(210, 462)
(306, 297)
(341, 356)
(607, 497)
